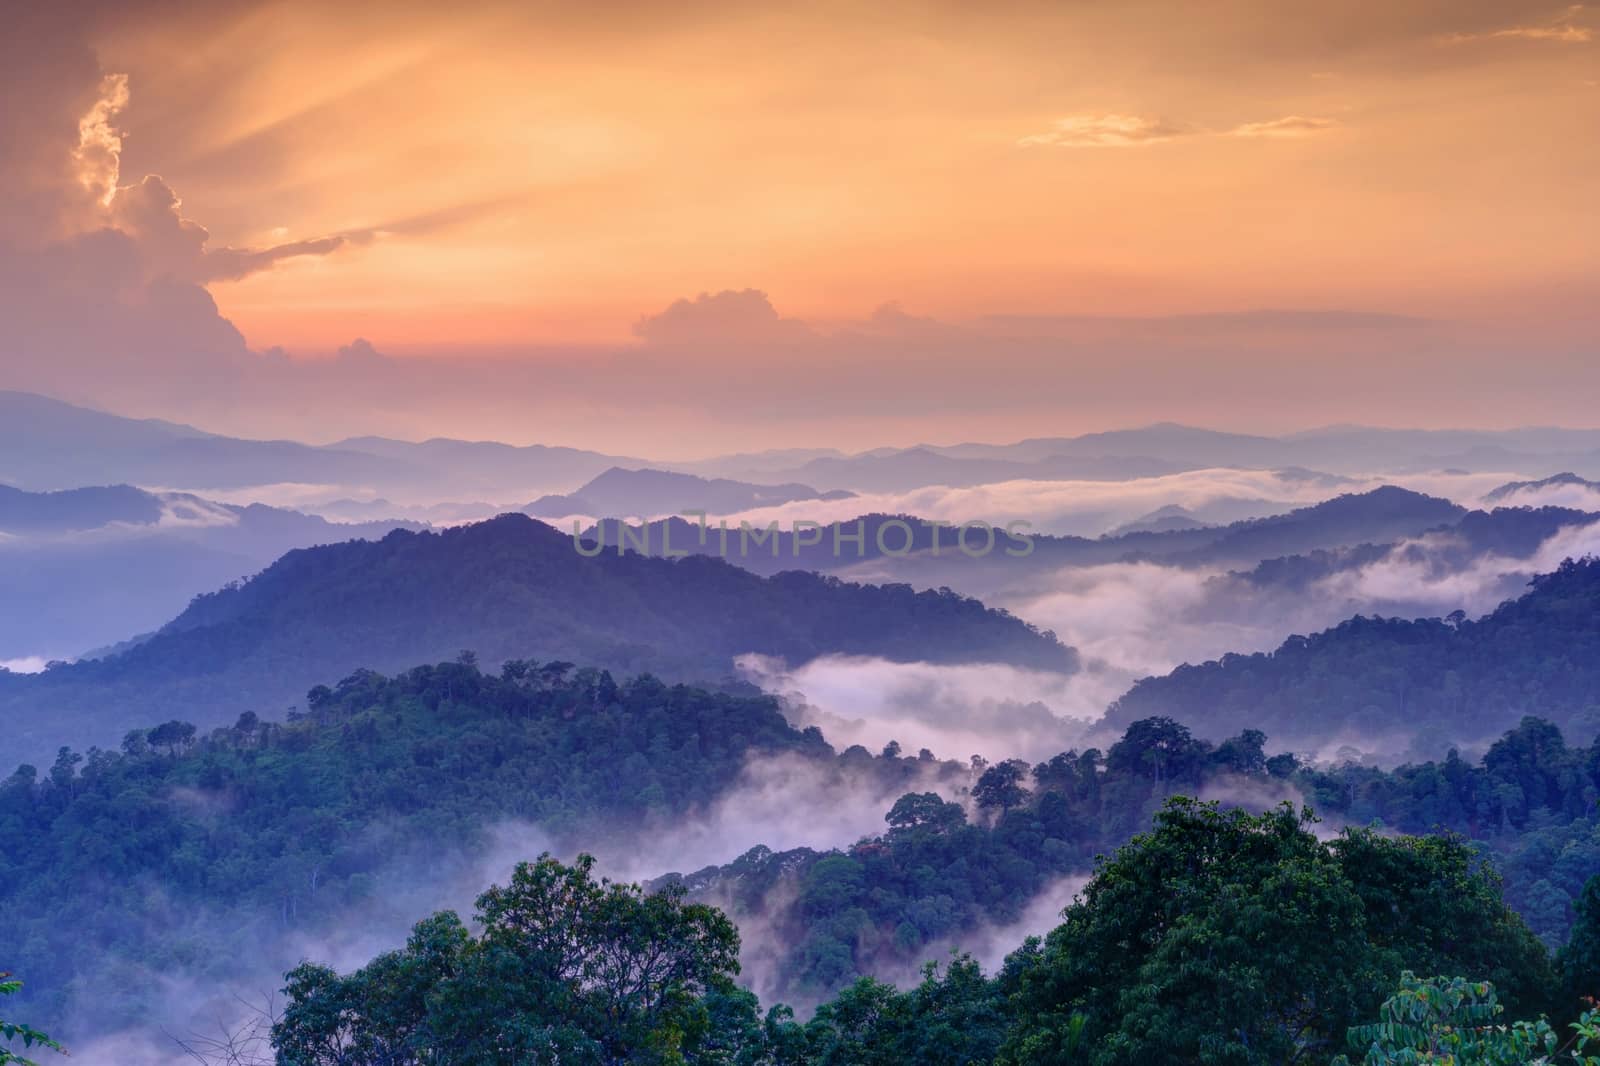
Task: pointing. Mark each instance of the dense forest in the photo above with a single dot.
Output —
(1217, 937)
(500, 587)
(1450, 679)
(191, 850)
(939, 877)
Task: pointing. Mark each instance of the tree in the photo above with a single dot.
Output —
(925, 810)
(951, 1018)
(1579, 961)
(1243, 754)
(1219, 937)
(1456, 1022)
(1159, 748)
(1226, 937)
(11, 1032)
(568, 968)
(175, 736)
(1001, 786)
(1432, 904)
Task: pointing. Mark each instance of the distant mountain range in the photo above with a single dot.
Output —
(507, 588)
(1167, 448)
(97, 565)
(645, 493)
(902, 548)
(47, 444)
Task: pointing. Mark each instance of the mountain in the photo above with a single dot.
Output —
(1567, 479)
(507, 588)
(1167, 447)
(1383, 514)
(902, 547)
(1508, 533)
(445, 465)
(1168, 519)
(74, 510)
(657, 492)
(47, 444)
(98, 565)
(391, 797)
(1388, 681)
(264, 835)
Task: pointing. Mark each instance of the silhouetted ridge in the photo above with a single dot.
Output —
(1377, 678)
(506, 588)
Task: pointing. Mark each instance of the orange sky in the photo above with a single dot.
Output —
(541, 173)
(678, 228)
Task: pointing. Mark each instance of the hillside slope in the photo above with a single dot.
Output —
(1373, 679)
(507, 588)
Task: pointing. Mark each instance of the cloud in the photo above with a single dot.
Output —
(1079, 507)
(101, 282)
(1104, 131)
(1133, 131)
(1287, 126)
(1563, 29)
(736, 316)
(955, 712)
(1417, 573)
(175, 247)
(99, 150)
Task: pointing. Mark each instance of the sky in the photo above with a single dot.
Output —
(653, 227)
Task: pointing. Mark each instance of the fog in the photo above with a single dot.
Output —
(783, 802)
(955, 712)
(1081, 508)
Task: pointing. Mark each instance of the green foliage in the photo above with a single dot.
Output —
(1000, 786)
(567, 969)
(1456, 1022)
(1218, 937)
(1579, 960)
(1530, 803)
(197, 853)
(14, 1032)
(1226, 937)
(951, 1018)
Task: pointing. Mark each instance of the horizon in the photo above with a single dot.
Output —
(904, 446)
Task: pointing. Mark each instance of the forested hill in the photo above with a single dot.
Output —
(506, 588)
(943, 874)
(217, 855)
(1454, 680)
(214, 853)
(1382, 515)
